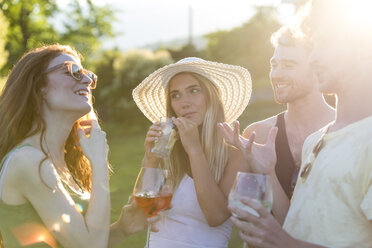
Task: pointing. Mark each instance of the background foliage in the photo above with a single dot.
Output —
(3, 38)
(248, 45)
(33, 23)
(121, 73)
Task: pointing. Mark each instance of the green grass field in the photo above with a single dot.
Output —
(126, 152)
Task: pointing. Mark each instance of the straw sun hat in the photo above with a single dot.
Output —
(233, 82)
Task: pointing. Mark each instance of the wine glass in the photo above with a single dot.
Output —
(254, 186)
(153, 192)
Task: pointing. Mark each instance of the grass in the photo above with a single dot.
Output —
(126, 153)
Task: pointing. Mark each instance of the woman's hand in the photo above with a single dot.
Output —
(133, 220)
(189, 134)
(261, 157)
(94, 146)
(262, 231)
(152, 135)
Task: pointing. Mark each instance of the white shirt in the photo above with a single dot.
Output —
(333, 206)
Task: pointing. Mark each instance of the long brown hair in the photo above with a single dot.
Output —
(214, 146)
(21, 107)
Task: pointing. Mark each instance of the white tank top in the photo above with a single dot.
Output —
(4, 166)
(185, 225)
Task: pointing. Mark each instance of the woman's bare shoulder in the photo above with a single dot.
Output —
(26, 157)
(25, 165)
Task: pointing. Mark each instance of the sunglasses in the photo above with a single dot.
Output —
(317, 148)
(77, 72)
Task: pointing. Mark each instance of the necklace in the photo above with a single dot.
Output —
(317, 148)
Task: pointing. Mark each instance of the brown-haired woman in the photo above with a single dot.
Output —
(54, 157)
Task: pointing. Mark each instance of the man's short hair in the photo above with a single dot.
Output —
(290, 37)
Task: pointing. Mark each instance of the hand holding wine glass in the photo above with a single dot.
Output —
(153, 192)
(256, 187)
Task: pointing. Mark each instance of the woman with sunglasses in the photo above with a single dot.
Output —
(54, 173)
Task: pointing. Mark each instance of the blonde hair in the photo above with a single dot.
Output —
(290, 37)
(213, 144)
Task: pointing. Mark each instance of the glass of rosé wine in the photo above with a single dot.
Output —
(153, 192)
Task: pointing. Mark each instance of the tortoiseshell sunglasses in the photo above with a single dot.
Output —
(77, 72)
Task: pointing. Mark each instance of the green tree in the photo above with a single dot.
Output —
(3, 52)
(130, 69)
(28, 26)
(248, 45)
(104, 67)
(2, 84)
(3, 33)
(188, 50)
(87, 26)
(31, 24)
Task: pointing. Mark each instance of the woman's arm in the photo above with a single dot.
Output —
(57, 209)
(212, 197)
(44, 190)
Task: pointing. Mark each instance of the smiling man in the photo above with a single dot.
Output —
(332, 202)
(293, 84)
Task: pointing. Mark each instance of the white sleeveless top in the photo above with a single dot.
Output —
(185, 225)
(4, 167)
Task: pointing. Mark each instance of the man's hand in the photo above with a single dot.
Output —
(262, 230)
(261, 157)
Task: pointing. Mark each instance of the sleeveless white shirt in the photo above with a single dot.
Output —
(185, 226)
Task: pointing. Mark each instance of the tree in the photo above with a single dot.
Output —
(248, 45)
(87, 26)
(3, 33)
(31, 25)
(104, 67)
(130, 69)
(28, 26)
(188, 50)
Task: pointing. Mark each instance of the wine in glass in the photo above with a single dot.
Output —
(153, 192)
(254, 186)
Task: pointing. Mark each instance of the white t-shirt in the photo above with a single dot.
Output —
(333, 206)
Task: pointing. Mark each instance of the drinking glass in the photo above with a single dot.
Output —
(153, 192)
(163, 146)
(254, 186)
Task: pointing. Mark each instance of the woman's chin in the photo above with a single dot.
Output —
(86, 110)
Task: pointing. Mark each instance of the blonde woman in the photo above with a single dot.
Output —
(198, 95)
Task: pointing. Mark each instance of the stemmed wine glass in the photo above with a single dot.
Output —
(153, 192)
(254, 186)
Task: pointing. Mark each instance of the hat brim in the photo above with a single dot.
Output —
(233, 82)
